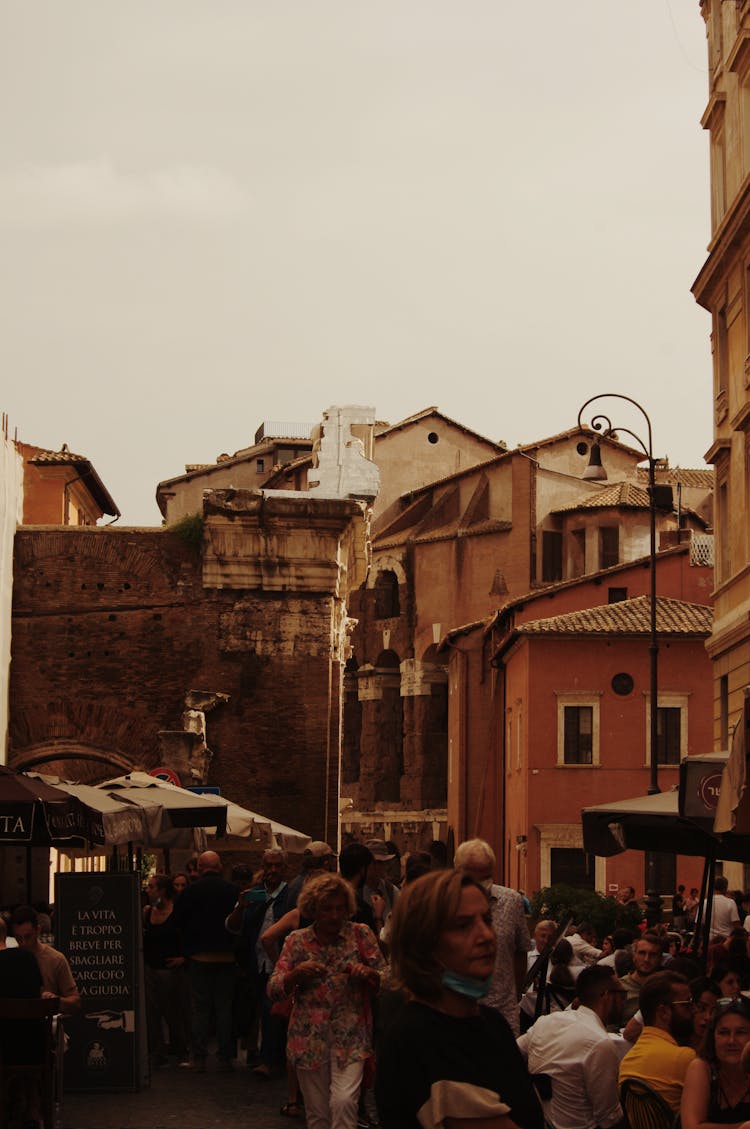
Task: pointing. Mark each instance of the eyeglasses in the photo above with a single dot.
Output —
(690, 1002)
(615, 991)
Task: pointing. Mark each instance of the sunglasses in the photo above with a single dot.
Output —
(733, 1003)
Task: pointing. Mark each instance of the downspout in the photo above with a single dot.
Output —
(464, 733)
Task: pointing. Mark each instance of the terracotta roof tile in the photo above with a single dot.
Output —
(622, 494)
(628, 617)
(56, 458)
(697, 477)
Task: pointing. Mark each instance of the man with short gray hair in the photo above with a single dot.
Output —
(477, 859)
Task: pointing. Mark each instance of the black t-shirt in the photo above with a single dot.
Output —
(420, 1047)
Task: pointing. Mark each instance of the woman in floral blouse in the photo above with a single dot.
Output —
(331, 970)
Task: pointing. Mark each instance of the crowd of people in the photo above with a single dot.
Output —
(416, 996)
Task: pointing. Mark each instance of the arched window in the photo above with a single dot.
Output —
(386, 595)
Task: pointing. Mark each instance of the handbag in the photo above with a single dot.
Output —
(282, 1009)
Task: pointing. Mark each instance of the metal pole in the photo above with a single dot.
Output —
(602, 424)
(653, 647)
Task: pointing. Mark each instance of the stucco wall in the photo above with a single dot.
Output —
(11, 505)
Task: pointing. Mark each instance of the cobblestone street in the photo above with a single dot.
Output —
(191, 1101)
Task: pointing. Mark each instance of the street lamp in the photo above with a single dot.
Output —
(659, 497)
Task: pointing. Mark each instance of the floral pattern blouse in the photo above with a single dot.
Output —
(330, 1012)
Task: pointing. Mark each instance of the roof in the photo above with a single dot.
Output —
(223, 461)
(445, 532)
(585, 432)
(627, 617)
(388, 428)
(699, 478)
(621, 494)
(86, 472)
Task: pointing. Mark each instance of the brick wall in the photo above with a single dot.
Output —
(112, 627)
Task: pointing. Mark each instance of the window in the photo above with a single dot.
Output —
(577, 552)
(572, 866)
(668, 721)
(260, 466)
(671, 728)
(519, 736)
(722, 352)
(616, 595)
(722, 531)
(387, 604)
(578, 729)
(609, 546)
(551, 555)
(724, 710)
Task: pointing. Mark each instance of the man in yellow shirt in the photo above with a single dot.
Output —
(660, 1057)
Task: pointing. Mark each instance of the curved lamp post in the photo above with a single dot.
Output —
(602, 424)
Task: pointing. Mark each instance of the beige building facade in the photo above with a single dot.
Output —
(723, 288)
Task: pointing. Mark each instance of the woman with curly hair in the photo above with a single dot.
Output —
(330, 970)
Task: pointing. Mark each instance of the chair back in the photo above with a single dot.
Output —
(643, 1107)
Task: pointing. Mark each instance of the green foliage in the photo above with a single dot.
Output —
(561, 902)
(190, 529)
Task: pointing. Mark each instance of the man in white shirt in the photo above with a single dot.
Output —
(544, 931)
(724, 913)
(580, 1058)
(583, 943)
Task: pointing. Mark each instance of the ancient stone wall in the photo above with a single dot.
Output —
(113, 629)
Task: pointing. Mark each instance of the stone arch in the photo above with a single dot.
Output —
(386, 563)
(387, 660)
(49, 752)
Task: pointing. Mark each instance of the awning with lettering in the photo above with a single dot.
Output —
(36, 813)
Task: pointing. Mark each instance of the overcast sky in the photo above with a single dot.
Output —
(221, 212)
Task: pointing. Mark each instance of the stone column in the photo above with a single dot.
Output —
(424, 690)
(381, 741)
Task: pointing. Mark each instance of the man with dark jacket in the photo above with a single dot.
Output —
(200, 913)
(256, 910)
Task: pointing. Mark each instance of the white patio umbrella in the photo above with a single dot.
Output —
(232, 819)
(167, 808)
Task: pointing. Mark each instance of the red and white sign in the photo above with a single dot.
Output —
(168, 774)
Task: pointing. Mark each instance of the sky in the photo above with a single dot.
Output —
(222, 212)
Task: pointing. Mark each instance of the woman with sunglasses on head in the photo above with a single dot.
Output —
(717, 1088)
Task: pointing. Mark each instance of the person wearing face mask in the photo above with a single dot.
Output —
(476, 858)
(444, 1058)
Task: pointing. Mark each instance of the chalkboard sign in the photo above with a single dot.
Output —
(98, 928)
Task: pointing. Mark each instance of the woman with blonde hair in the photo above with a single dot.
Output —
(444, 1059)
(330, 970)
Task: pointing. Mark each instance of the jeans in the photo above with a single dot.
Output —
(272, 1029)
(211, 996)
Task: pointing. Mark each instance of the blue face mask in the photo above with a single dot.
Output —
(467, 986)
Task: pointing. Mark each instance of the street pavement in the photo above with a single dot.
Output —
(179, 1098)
